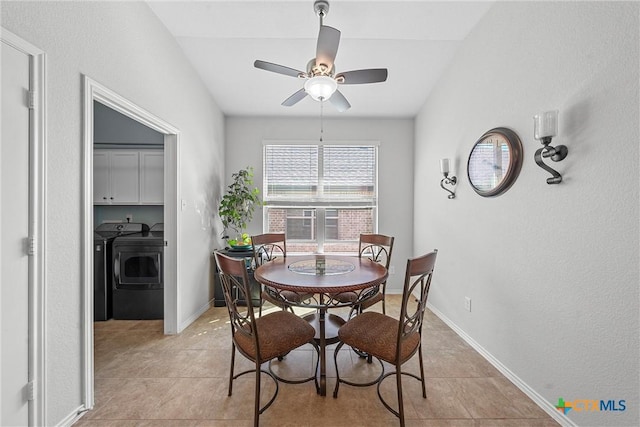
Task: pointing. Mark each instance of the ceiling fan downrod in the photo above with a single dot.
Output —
(321, 7)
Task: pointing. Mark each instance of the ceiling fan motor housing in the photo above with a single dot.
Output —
(314, 69)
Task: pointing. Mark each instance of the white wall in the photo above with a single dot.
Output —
(245, 137)
(552, 270)
(123, 46)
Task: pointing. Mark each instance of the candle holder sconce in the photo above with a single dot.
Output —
(545, 128)
(444, 168)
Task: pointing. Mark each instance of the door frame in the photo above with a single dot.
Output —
(37, 226)
(94, 91)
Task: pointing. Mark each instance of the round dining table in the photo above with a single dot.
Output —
(334, 280)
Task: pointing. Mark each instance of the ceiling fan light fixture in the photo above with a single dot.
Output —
(320, 88)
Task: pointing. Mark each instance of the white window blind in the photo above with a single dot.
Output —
(290, 170)
(320, 172)
(349, 171)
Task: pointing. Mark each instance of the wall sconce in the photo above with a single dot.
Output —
(444, 168)
(545, 127)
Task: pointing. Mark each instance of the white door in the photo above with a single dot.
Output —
(14, 232)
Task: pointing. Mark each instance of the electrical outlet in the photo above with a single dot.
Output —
(392, 269)
(467, 303)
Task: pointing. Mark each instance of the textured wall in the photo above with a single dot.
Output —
(552, 270)
(123, 46)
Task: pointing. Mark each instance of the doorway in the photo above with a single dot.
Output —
(128, 196)
(95, 92)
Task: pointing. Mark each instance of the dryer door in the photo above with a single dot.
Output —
(137, 267)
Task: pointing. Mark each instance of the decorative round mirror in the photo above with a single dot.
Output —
(495, 162)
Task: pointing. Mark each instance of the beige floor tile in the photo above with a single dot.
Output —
(138, 399)
(135, 423)
(441, 402)
(436, 339)
(482, 398)
(144, 378)
(440, 423)
(456, 363)
(295, 366)
(190, 399)
(521, 422)
(518, 399)
(223, 423)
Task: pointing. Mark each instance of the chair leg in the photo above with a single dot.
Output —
(424, 389)
(335, 360)
(233, 358)
(256, 410)
(400, 403)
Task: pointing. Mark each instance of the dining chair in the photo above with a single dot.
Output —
(391, 340)
(259, 339)
(378, 248)
(267, 247)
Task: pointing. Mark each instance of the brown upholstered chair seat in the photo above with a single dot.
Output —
(280, 298)
(368, 303)
(379, 335)
(346, 297)
(279, 333)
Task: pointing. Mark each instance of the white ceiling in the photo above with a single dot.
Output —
(414, 40)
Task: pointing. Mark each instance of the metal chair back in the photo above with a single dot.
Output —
(417, 282)
(267, 247)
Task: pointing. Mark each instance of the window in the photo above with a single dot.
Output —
(321, 196)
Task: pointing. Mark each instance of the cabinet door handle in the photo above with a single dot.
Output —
(111, 198)
(104, 198)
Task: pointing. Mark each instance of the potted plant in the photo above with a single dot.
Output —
(237, 207)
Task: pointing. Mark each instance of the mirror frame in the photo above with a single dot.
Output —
(515, 161)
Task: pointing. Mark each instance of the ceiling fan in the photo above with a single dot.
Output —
(321, 81)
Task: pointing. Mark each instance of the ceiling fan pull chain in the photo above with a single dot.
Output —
(321, 119)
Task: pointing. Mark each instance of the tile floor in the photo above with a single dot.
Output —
(144, 378)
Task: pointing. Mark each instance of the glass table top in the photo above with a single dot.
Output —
(321, 267)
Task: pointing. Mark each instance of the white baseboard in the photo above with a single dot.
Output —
(73, 417)
(183, 325)
(524, 387)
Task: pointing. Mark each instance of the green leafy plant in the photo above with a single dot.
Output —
(238, 205)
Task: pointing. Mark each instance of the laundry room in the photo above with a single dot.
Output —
(128, 206)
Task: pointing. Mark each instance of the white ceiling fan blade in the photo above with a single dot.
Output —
(356, 77)
(328, 41)
(280, 69)
(339, 101)
(295, 98)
